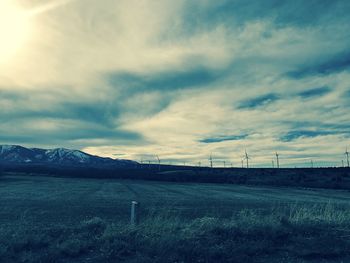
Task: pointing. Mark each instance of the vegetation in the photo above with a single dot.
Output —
(54, 219)
(330, 178)
(295, 233)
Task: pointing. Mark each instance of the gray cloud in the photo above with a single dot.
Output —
(293, 135)
(164, 81)
(284, 13)
(340, 62)
(315, 92)
(224, 138)
(260, 101)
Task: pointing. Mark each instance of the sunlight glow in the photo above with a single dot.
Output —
(14, 29)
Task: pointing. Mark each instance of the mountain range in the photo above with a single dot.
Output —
(15, 154)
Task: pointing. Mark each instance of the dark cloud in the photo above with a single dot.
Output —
(293, 135)
(224, 138)
(283, 13)
(76, 120)
(347, 93)
(338, 63)
(71, 134)
(6, 95)
(162, 81)
(315, 92)
(318, 125)
(310, 129)
(98, 112)
(104, 113)
(341, 129)
(259, 101)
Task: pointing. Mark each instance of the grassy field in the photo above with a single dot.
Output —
(46, 219)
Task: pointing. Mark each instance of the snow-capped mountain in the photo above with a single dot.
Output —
(59, 156)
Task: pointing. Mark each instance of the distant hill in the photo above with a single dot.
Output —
(15, 154)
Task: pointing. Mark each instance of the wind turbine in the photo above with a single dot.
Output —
(211, 161)
(158, 162)
(342, 163)
(347, 156)
(242, 162)
(273, 164)
(224, 164)
(312, 164)
(247, 158)
(278, 161)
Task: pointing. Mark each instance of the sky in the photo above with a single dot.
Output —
(179, 79)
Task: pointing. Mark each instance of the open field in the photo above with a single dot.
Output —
(47, 219)
(328, 178)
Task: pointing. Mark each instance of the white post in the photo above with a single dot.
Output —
(133, 218)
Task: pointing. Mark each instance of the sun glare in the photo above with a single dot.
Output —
(14, 29)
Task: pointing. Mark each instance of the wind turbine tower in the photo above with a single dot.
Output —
(211, 161)
(247, 158)
(347, 156)
(278, 160)
(158, 162)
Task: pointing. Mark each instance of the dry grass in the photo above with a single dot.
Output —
(294, 233)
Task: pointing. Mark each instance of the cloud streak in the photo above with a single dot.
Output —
(224, 138)
(48, 7)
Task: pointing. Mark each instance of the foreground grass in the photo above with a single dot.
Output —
(297, 233)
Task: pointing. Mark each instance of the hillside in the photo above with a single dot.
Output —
(15, 154)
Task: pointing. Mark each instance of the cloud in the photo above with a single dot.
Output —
(48, 7)
(347, 93)
(197, 78)
(164, 81)
(315, 92)
(340, 62)
(284, 13)
(46, 119)
(224, 138)
(293, 135)
(259, 101)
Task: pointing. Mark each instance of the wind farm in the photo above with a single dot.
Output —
(73, 163)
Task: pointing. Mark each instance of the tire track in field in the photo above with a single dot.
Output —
(184, 192)
(130, 189)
